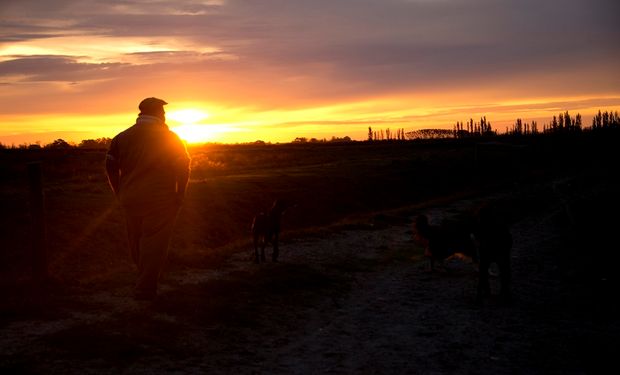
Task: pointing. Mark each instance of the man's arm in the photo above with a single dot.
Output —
(182, 181)
(113, 172)
(112, 167)
(182, 172)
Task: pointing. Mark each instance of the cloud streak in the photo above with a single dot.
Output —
(293, 53)
(56, 68)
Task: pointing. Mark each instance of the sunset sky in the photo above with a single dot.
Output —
(274, 70)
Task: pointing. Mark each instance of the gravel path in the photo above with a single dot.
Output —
(352, 301)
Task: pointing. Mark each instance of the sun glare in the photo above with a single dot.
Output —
(187, 124)
(194, 133)
(187, 116)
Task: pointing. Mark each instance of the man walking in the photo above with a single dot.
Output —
(148, 169)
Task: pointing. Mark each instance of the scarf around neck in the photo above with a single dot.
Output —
(150, 120)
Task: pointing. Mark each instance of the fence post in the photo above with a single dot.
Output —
(37, 219)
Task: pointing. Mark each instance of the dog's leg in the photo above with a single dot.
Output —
(505, 279)
(256, 258)
(429, 257)
(262, 250)
(484, 288)
(276, 250)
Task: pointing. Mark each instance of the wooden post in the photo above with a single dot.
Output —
(37, 217)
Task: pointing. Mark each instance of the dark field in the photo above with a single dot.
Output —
(229, 185)
(363, 187)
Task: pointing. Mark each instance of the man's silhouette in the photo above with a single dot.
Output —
(148, 169)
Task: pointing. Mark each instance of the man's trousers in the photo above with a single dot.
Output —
(149, 233)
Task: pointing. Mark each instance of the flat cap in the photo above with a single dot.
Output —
(151, 105)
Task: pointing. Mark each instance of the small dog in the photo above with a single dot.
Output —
(445, 240)
(266, 229)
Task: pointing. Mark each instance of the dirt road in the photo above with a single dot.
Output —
(356, 300)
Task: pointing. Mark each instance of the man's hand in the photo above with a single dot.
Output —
(179, 199)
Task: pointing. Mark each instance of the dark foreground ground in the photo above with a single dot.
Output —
(349, 299)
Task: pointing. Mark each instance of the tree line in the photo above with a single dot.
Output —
(61, 144)
(563, 123)
(386, 135)
(324, 140)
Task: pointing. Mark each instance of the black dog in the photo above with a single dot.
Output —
(486, 238)
(266, 229)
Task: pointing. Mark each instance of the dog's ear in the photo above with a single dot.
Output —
(285, 203)
(280, 205)
(421, 220)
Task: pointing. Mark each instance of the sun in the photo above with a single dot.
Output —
(186, 123)
(187, 116)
